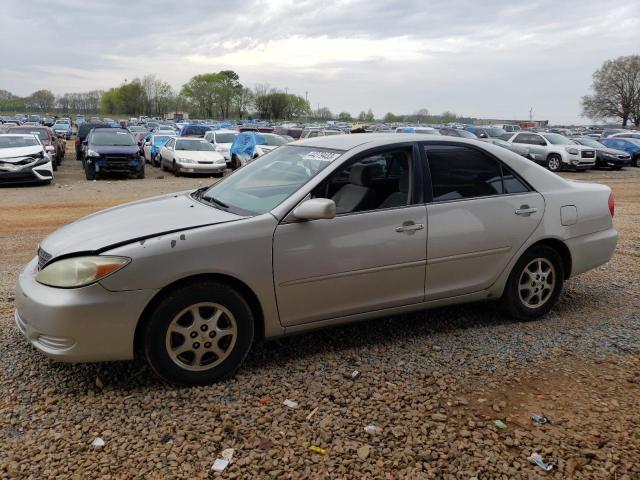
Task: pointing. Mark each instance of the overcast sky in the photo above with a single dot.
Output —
(484, 58)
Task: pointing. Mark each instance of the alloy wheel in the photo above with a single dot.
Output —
(554, 164)
(201, 336)
(537, 282)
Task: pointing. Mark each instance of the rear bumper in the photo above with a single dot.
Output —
(591, 250)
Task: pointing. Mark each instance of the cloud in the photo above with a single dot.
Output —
(489, 58)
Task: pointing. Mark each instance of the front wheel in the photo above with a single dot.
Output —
(176, 169)
(636, 161)
(554, 162)
(198, 334)
(90, 171)
(140, 174)
(535, 284)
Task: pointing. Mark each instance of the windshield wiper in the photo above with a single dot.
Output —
(216, 201)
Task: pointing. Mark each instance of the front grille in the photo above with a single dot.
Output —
(588, 153)
(205, 163)
(43, 258)
(113, 164)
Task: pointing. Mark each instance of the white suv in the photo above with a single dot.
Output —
(555, 151)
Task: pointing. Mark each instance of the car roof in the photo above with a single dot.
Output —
(347, 142)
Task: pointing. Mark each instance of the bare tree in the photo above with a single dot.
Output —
(616, 90)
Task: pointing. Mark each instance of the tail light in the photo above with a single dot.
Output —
(612, 204)
(77, 140)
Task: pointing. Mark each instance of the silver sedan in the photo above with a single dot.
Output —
(317, 233)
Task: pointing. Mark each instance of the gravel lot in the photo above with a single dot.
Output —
(433, 383)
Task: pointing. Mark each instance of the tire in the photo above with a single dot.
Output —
(636, 161)
(90, 171)
(173, 319)
(54, 165)
(617, 167)
(176, 169)
(140, 174)
(513, 298)
(235, 163)
(162, 167)
(554, 162)
(78, 156)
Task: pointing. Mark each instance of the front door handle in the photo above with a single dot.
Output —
(409, 227)
(525, 210)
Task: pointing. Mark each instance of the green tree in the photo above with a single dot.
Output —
(344, 117)
(369, 117)
(616, 91)
(42, 100)
(448, 117)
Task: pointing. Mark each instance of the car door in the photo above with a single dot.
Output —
(370, 256)
(167, 153)
(147, 148)
(479, 215)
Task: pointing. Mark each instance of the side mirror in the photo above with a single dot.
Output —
(315, 209)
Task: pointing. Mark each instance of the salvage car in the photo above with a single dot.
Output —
(316, 233)
(83, 130)
(52, 144)
(221, 141)
(112, 150)
(191, 155)
(152, 145)
(605, 157)
(250, 144)
(23, 159)
(555, 151)
(62, 130)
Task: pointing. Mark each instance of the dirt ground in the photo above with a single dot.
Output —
(434, 382)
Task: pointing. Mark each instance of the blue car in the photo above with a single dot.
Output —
(153, 143)
(61, 129)
(112, 150)
(629, 145)
(243, 148)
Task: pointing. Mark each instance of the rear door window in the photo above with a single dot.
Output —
(460, 172)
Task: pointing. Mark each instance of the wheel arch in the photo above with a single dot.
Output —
(242, 288)
(562, 249)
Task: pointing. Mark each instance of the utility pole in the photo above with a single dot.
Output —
(286, 90)
(531, 114)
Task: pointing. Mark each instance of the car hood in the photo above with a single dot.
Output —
(19, 152)
(115, 150)
(198, 156)
(132, 222)
(611, 151)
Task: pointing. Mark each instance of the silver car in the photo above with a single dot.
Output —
(317, 233)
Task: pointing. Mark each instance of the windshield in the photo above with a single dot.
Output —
(589, 142)
(194, 146)
(495, 132)
(136, 129)
(274, 140)
(40, 133)
(635, 141)
(60, 126)
(557, 139)
(112, 139)
(265, 183)
(7, 141)
(225, 137)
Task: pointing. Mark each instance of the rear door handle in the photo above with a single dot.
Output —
(409, 227)
(525, 210)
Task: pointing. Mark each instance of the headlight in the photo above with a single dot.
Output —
(80, 271)
(185, 160)
(92, 153)
(572, 151)
(49, 148)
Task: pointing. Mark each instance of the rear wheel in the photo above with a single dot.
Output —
(554, 162)
(535, 283)
(198, 334)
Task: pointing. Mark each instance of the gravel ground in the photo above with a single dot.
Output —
(432, 383)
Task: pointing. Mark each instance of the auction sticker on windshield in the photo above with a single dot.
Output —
(323, 156)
